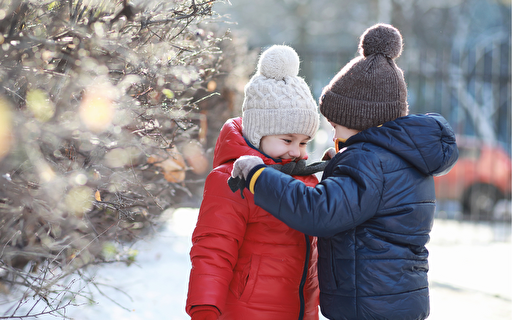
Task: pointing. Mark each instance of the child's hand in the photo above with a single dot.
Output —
(244, 165)
(329, 154)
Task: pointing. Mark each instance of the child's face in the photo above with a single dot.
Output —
(341, 132)
(285, 146)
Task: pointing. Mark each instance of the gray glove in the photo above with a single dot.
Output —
(244, 165)
(329, 154)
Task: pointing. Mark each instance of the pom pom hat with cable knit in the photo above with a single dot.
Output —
(370, 89)
(277, 101)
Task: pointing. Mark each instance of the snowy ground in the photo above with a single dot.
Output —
(470, 274)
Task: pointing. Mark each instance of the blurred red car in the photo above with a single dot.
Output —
(480, 178)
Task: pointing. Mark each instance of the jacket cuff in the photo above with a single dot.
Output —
(253, 175)
(204, 308)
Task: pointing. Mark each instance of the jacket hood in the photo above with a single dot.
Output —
(231, 145)
(426, 141)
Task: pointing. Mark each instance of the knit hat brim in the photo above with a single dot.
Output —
(264, 122)
(358, 114)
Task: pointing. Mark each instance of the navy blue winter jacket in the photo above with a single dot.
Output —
(373, 212)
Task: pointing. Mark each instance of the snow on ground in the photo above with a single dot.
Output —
(470, 270)
(470, 274)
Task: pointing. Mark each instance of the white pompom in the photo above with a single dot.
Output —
(278, 62)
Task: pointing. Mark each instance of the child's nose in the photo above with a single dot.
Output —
(294, 151)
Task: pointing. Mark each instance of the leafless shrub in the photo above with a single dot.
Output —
(103, 125)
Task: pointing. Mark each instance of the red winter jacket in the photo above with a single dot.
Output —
(245, 262)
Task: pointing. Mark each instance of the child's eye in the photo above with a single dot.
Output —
(303, 143)
(287, 140)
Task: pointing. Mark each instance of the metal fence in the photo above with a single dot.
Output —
(470, 87)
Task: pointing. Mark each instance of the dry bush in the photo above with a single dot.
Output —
(104, 117)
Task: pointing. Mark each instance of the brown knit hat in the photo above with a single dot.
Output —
(370, 89)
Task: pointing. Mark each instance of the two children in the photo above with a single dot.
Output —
(246, 264)
(374, 208)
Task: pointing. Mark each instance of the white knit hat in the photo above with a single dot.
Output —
(277, 101)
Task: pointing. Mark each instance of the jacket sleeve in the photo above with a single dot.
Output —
(216, 240)
(345, 199)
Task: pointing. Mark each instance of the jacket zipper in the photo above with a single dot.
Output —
(303, 280)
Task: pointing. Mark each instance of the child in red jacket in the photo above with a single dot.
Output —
(246, 264)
